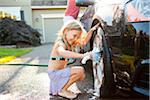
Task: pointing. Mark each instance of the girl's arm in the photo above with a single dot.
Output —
(69, 54)
(89, 34)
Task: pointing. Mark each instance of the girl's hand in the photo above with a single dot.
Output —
(87, 54)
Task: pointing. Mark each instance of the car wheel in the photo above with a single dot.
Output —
(102, 69)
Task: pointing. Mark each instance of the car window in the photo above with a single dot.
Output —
(144, 26)
(138, 10)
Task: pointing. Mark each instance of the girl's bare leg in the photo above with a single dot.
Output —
(77, 74)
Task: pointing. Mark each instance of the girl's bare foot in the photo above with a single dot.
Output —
(73, 88)
(77, 91)
(67, 94)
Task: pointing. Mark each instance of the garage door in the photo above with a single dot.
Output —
(51, 28)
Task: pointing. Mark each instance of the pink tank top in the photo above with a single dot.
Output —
(72, 9)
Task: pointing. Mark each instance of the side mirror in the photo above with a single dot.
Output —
(84, 3)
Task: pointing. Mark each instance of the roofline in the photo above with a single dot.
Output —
(47, 7)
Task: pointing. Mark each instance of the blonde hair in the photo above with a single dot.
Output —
(71, 25)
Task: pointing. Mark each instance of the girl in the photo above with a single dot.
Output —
(61, 76)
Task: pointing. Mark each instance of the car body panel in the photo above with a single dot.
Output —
(125, 44)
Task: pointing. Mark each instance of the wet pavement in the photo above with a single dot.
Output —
(32, 82)
(24, 82)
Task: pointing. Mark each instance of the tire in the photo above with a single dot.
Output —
(102, 70)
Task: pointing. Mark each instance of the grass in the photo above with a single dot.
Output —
(8, 54)
(13, 52)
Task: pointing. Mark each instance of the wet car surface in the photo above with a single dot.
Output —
(125, 49)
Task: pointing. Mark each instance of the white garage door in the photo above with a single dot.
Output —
(51, 28)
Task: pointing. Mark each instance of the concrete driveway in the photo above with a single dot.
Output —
(27, 78)
(26, 82)
(22, 82)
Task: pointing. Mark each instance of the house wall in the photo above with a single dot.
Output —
(45, 19)
(25, 6)
(48, 21)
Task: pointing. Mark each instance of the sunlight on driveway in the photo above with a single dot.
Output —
(23, 83)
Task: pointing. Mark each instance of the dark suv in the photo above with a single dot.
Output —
(123, 41)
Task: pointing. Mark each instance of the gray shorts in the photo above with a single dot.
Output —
(58, 78)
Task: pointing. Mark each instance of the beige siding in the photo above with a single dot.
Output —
(15, 2)
(37, 17)
(25, 6)
(45, 19)
(27, 15)
(48, 22)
